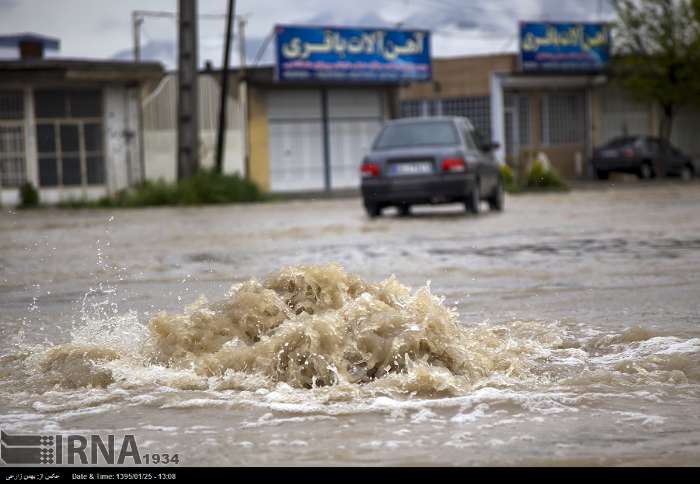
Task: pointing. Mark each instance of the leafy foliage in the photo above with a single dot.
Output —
(508, 178)
(540, 177)
(29, 196)
(204, 188)
(657, 57)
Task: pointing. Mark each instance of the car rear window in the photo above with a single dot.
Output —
(417, 134)
(620, 142)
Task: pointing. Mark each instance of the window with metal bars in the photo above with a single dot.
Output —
(517, 122)
(410, 109)
(563, 119)
(524, 120)
(69, 137)
(12, 154)
(476, 108)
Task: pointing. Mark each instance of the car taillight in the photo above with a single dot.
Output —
(369, 170)
(454, 165)
(628, 152)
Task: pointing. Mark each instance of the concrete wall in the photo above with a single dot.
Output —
(622, 115)
(686, 131)
(259, 137)
(463, 76)
(160, 129)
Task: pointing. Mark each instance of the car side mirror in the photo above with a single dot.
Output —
(490, 146)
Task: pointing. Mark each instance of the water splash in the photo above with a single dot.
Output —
(321, 329)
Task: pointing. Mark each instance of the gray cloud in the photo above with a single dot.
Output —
(460, 27)
(153, 50)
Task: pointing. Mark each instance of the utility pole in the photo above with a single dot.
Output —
(138, 16)
(224, 88)
(188, 92)
(243, 94)
(136, 21)
(241, 41)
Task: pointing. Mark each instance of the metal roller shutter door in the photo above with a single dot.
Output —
(295, 140)
(295, 121)
(355, 117)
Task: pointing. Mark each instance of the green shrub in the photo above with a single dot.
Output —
(203, 188)
(29, 196)
(508, 179)
(540, 177)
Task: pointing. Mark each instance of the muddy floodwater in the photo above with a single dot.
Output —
(564, 331)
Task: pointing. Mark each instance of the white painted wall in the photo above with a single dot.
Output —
(52, 196)
(9, 197)
(117, 151)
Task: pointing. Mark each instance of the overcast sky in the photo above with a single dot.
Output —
(102, 28)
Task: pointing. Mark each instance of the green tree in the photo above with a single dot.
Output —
(657, 53)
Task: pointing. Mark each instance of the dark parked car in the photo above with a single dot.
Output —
(430, 161)
(645, 156)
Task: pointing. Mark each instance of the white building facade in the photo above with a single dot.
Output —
(71, 128)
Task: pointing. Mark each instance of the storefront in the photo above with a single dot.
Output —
(312, 117)
(553, 97)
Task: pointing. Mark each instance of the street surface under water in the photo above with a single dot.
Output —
(564, 331)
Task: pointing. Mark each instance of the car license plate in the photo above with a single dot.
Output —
(412, 168)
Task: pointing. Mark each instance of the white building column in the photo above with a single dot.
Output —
(31, 155)
(498, 130)
(115, 146)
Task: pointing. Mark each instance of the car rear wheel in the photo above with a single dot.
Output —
(497, 199)
(472, 203)
(373, 210)
(602, 174)
(686, 173)
(404, 210)
(646, 172)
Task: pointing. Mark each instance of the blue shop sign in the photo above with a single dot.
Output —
(549, 46)
(352, 54)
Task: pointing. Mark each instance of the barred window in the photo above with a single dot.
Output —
(517, 122)
(476, 108)
(69, 137)
(410, 109)
(11, 105)
(433, 108)
(563, 118)
(12, 159)
(12, 156)
(524, 120)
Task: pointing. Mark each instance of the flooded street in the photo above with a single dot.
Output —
(569, 333)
